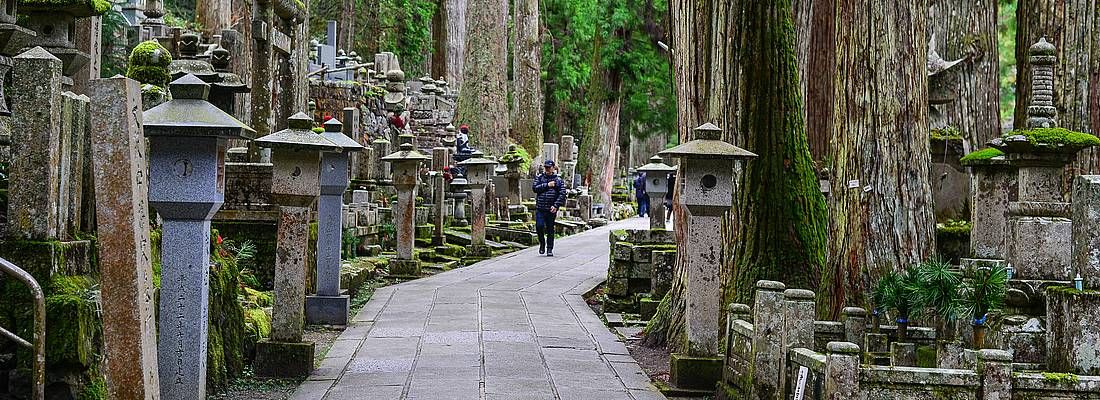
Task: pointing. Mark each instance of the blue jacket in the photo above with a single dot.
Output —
(546, 196)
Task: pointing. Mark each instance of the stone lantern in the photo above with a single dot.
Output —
(706, 192)
(189, 62)
(187, 144)
(512, 162)
(459, 185)
(394, 99)
(406, 170)
(656, 185)
(223, 92)
(295, 185)
(54, 25)
(478, 172)
(329, 305)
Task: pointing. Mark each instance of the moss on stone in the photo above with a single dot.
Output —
(96, 390)
(318, 130)
(1056, 377)
(1057, 136)
(258, 323)
(149, 64)
(953, 228)
(72, 321)
(95, 7)
(1072, 291)
(981, 155)
(945, 134)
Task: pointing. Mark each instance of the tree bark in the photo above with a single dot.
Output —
(345, 25)
(880, 207)
(780, 211)
(820, 79)
(526, 76)
(705, 60)
(598, 154)
(484, 104)
(1073, 26)
(968, 29)
(214, 15)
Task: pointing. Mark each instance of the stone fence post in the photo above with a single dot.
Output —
(995, 372)
(767, 341)
(854, 320)
(1086, 229)
(798, 329)
(841, 371)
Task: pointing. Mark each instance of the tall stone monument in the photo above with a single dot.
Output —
(125, 264)
(706, 170)
(406, 166)
(330, 305)
(187, 143)
(295, 186)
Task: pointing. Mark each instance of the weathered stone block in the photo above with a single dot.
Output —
(641, 254)
(327, 310)
(689, 372)
(903, 354)
(1073, 331)
(647, 307)
(622, 251)
(1041, 247)
(643, 270)
(620, 269)
(404, 267)
(283, 360)
(618, 287)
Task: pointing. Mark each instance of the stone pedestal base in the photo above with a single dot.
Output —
(1073, 329)
(328, 310)
(877, 349)
(903, 354)
(479, 250)
(283, 360)
(405, 267)
(647, 307)
(692, 372)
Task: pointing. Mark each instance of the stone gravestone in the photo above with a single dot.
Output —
(707, 165)
(35, 146)
(295, 186)
(1086, 229)
(330, 305)
(122, 213)
(186, 187)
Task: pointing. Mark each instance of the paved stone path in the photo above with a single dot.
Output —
(514, 327)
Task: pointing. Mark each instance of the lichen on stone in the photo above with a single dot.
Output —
(1056, 377)
(981, 155)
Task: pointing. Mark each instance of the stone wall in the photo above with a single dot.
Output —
(640, 268)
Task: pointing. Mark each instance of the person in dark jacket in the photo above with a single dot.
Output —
(640, 195)
(668, 196)
(549, 197)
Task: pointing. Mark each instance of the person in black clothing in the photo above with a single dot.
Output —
(668, 196)
(549, 197)
(640, 195)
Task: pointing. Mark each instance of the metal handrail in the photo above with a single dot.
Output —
(39, 345)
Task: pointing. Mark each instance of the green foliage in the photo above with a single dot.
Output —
(984, 291)
(945, 134)
(72, 320)
(98, 7)
(939, 289)
(402, 27)
(898, 293)
(113, 62)
(981, 155)
(1057, 136)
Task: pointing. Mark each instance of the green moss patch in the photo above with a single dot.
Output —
(1057, 136)
(1055, 377)
(149, 64)
(945, 134)
(72, 322)
(981, 155)
(954, 228)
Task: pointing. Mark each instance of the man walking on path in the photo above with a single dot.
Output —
(640, 195)
(549, 197)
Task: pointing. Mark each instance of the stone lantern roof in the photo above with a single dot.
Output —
(406, 152)
(189, 114)
(656, 164)
(334, 133)
(477, 160)
(75, 8)
(708, 145)
(299, 135)
(512, 157)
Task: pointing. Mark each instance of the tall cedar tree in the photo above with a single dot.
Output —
(880, 206)
(484, 103)
(777, 230)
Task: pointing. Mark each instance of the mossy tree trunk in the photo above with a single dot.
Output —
(779, 218)
(968, 29)
(484, 102)
(526, 76)
(880, 206)
(345, 26)
(1073, 27)
(819, 73)
(705, 62)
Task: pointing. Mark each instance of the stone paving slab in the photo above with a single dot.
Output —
(514, 327)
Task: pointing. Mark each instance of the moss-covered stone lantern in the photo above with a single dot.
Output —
(329, 305)
(706, 192)
(295, 185)
(513, 162)
(187, 144)
(478, 172)
(406, 173)
(656, 185)
(54, 25)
